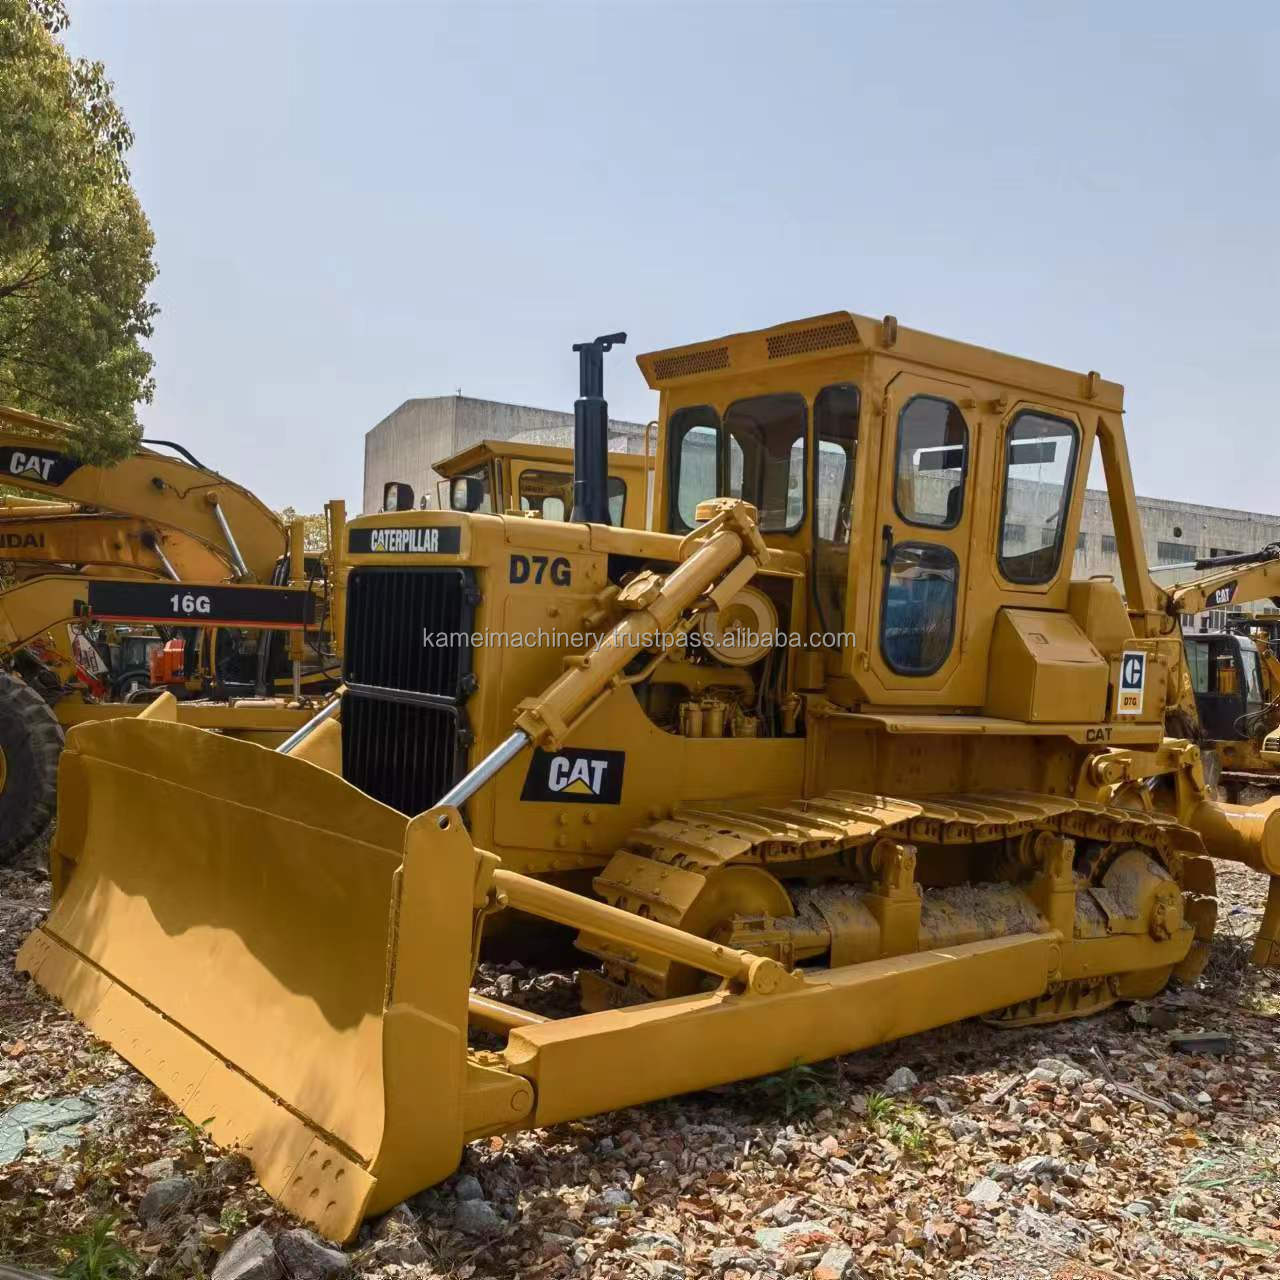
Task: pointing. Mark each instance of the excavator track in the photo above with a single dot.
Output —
(711, 870)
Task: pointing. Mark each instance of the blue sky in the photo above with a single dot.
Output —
(355, 203)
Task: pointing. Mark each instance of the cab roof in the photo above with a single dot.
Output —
(836, 332)
(486, 449)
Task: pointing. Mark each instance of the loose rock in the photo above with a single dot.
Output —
(164, 1198)
(158, 1169)
(985, 1192)
(305, 1256)
(836, 1264)
(468, 1188)
(251, 1257)
(902, 1081)
(478, 1218)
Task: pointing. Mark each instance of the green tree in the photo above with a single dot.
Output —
(75, 246)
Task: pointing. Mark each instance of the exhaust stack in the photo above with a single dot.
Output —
(591, 432)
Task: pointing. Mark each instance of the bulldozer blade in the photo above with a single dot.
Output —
(231, 925)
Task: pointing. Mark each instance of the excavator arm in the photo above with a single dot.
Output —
(38, 456)
(1228, 580)
(35, 537)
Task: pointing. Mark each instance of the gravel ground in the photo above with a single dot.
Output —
(1083, 1149)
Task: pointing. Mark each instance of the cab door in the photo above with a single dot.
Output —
(924, 516)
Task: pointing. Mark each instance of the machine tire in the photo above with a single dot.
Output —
(30, 745)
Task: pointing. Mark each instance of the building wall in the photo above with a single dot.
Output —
(1174, 533)
(408, 441)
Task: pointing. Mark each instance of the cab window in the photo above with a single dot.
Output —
(1039, 468)
(550, 493)
(835, 417)
(757, 453)
(699, 465)
(1252, 675)
(917, 623)
(770, 432)
(933, 458)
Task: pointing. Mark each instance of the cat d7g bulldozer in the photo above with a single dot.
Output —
(837, 753)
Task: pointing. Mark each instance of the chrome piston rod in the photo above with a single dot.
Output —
(460, 792)
(152, 543)
(241, 568)
(326, 712)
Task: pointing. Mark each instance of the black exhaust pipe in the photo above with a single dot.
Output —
(591, 432)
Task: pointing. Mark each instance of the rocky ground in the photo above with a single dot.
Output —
(1084, 1149)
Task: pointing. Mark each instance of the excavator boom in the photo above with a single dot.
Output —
(38, 456)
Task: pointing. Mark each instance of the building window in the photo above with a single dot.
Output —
(1080, 542)
(933, 451)
(1174, 552)
(1039, 468)
(918, 620)
(1108, 544)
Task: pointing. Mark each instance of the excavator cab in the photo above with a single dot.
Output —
(1226, 675)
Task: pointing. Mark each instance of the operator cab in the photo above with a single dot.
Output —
(933, 490)
(1226, 675)
(497, 476)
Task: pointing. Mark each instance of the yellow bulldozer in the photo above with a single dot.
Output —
(513, 475)
(835, 753)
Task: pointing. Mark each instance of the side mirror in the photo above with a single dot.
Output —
(467, 493)
(397, 496)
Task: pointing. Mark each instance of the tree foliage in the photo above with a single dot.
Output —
(315, 528)
(75, 246)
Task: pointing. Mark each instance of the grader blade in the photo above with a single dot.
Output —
(231, 926)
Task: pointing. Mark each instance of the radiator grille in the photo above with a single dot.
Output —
(388, 611)
(404, 755)
(404, 726)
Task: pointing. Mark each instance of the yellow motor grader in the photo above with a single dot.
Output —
(836, 753)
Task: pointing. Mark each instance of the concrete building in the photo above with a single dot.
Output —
(1175, 532)
(405, 444)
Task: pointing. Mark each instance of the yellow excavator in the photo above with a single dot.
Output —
(838, 751)
(155, 573)
(1235, 679)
